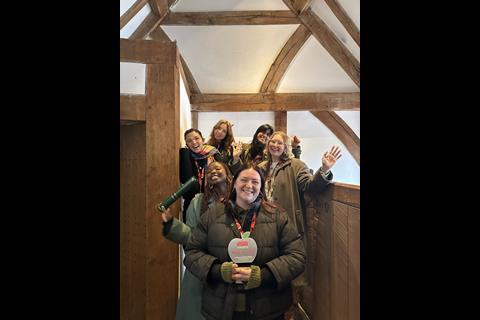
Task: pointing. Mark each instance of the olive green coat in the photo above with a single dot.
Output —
(190, 300)
(292, 180)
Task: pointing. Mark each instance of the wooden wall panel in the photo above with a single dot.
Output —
(132, 222)
(339, 261)
(333, 254)
(353, 263)
(317, 296)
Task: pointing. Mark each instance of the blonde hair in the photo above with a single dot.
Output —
(287, 152)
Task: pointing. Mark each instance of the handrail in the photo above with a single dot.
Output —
(346, 193)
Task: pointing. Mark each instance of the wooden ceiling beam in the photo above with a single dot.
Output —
(231, 18)
(141, 51)
(148, 25)
(333, 46)
(343, 17)
(280, 65)
(298, 6)
(132, 107)
(190, 84)
(341, 130)
(275, 102)
(343, 57)
(160, 7)
(281, 121)
(159, 35)
(131, 12)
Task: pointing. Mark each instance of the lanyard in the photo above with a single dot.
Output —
(246, 234)
(201, 174)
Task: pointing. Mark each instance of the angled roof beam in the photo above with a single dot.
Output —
(279, 67)
(330, 119)
(160, 7)
(148, 25)
(298, 6)
(341, 130)
(330, 42)
(316, 101)
(284, 58)
(131, 12)
(231, 18)
(190, 84)
(343, 17)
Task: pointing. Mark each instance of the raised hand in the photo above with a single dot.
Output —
(166, 215)
(295, 141)
(237, 150)
(330, 158)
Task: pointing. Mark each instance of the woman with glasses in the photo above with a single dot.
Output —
(288, 178)
(254, 152)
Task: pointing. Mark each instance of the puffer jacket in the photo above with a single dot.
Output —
(280, 249)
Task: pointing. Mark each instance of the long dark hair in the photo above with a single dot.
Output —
(211, 192)
(257, 147)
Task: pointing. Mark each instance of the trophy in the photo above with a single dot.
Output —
(242, 251)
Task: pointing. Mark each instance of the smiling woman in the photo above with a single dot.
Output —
(218, 184)
(193, 162)
(257, 290)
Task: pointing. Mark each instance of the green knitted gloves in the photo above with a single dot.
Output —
(252, 283)
(226, 271)
(255, 278)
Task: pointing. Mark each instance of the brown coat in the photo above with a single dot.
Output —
(292, 179)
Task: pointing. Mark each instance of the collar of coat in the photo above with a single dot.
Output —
(264, 165)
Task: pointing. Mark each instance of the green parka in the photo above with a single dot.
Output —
(280, 249)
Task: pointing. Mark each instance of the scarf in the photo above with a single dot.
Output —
(207, 151)
(254, 208)
(202, 159)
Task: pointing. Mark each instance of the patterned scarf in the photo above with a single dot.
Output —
(202, 159)
(207, 151)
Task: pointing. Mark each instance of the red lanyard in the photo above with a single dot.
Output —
(252, 224)
(201, 174)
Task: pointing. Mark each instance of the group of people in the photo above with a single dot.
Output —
(244, 191)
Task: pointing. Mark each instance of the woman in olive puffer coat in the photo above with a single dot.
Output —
(265, 289)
